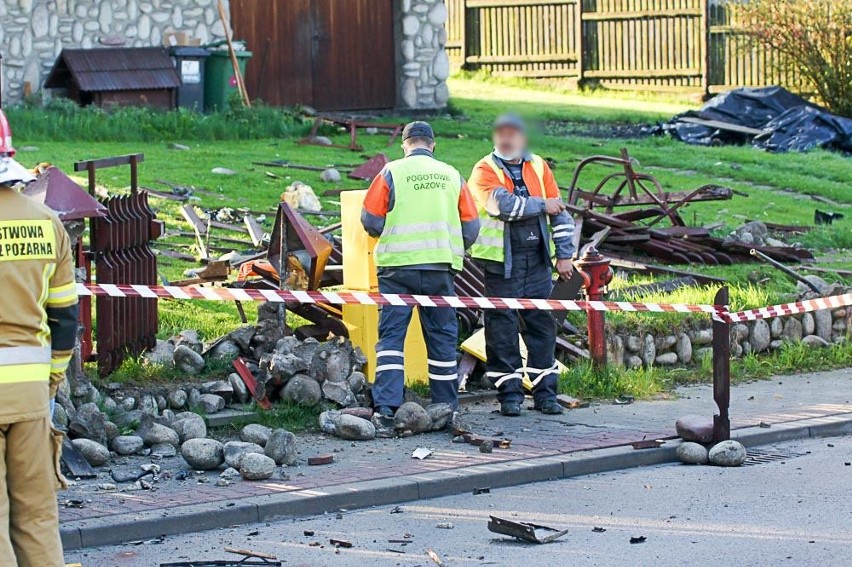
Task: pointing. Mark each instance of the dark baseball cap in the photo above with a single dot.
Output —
(510, 121)
(418, 129)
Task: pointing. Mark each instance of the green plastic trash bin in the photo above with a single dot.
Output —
(219, 79)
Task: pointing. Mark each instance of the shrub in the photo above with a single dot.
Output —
(815, 38)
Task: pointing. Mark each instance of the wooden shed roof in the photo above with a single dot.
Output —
(114, 69)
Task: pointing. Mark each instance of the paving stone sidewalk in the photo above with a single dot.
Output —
(780, 400)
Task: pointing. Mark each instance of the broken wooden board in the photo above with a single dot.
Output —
(532, 533)
(254, 229)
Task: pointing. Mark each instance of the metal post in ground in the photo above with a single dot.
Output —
(597, 274)
(721, 371)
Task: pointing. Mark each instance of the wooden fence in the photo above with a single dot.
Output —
(671, 45)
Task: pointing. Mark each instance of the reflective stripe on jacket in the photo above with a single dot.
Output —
(493, 190)
(38, 314)
(424, 226)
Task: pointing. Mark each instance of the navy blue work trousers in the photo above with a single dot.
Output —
(531, 278)
(440, 330)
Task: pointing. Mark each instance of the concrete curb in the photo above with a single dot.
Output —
(309, 502)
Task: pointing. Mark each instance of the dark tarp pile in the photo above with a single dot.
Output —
(784, 120)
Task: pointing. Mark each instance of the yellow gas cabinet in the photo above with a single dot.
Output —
(359, 274)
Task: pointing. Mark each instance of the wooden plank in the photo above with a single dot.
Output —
(515, 3)
(721, 125)
(524, 58)
(254, 229)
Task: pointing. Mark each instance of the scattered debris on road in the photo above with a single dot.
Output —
(421, 453)
(638, 539)
(435, 558)
(320, 460)
(532, 533)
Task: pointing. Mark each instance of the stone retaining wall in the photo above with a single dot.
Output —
(632, 349)
(33, 32)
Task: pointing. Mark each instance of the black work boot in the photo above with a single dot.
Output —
(510, 409)
(549, 407)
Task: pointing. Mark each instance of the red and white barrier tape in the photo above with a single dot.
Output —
(461, 302)
(833, 302)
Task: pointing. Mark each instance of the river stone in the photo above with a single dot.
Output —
(177, 399)
(127, 418)
(302, 390)
(692, 454)
(357, 382)
(254, 466)
(162, 354)
(96, 454)
(127, 444)
(760, 335)
(225, 350)
(649, 350)
(440, 414)
(220, 388)
(241, 393)
(255, 433)
(683, 348)
(330, 175)
(615, 350)
(148, 404)
(163, 450)
(739, 332)
(728, 454)
(156, 434)
(236, 450)
(665, 342)
(412, 417)
(328, 422)
(633, 343)
(338, 392)
(776, 344)
(702, 337)
(695, 428)
(808, 324)
(89, 423)
(188, 361)
(633, 361)
(332, 361)
(792, 330)
(776, 327)
(111, 430)
(822, 324)
(191, 426)
(354, 428)
(281, 447)
(203, 454)
(211, 403)
(60, 416)
(666, 359)
(815, 341)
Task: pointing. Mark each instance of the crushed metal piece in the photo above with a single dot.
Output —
(532, 533)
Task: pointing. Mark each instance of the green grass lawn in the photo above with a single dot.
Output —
(779, 187)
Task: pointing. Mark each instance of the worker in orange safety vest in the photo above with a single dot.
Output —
(38, 325)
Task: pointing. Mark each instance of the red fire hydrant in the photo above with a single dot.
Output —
(596, 272)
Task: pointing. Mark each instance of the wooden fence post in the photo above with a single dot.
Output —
(579, 42)
(463, 29)
(705, 47)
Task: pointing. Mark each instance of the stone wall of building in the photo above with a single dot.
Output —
(422, 59)
(33, 32)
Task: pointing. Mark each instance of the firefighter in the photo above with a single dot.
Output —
(523, 224)
(37, 332)
(425, 218)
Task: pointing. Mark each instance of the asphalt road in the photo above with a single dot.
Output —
(794, 511)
